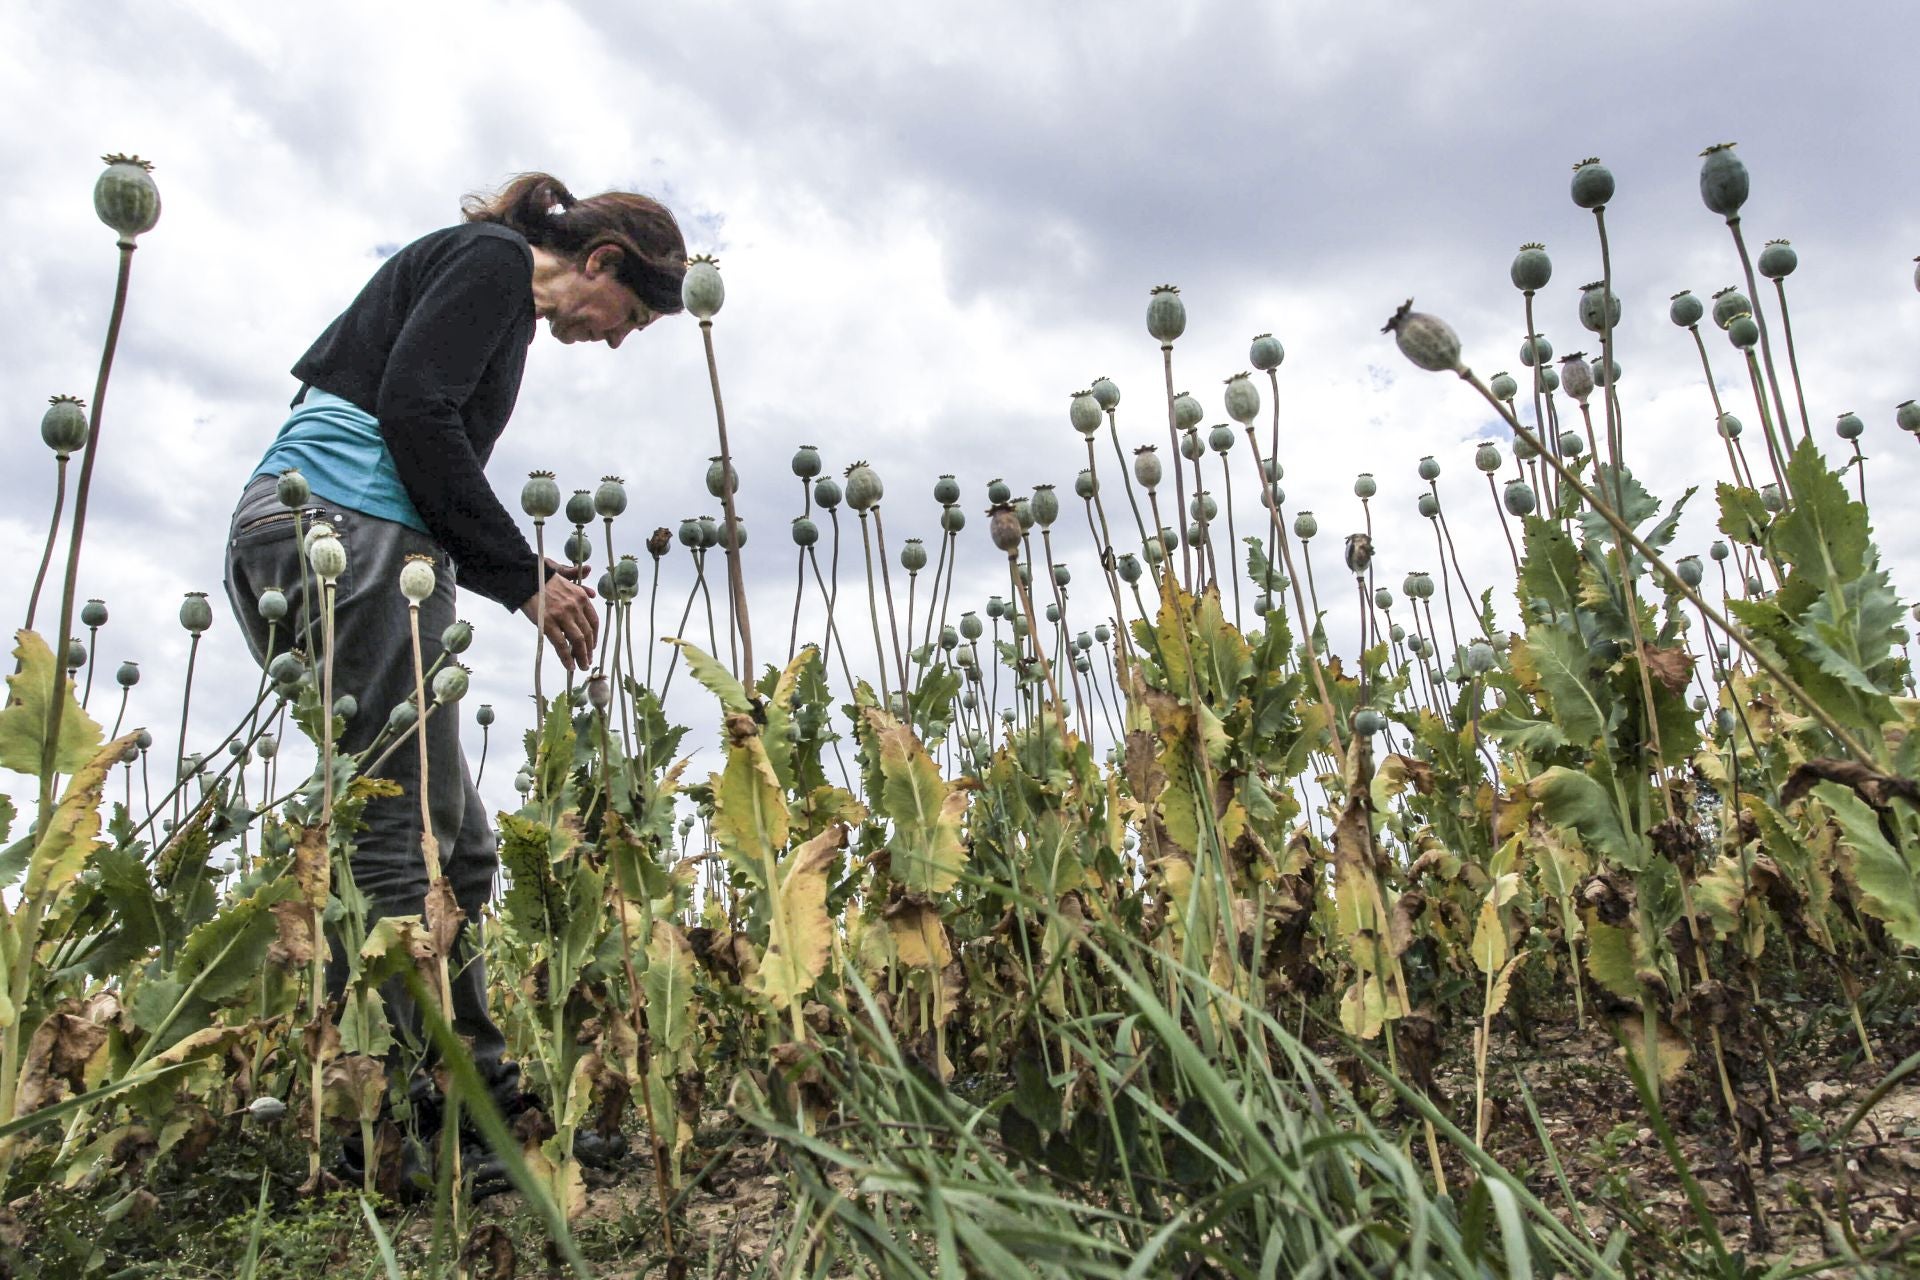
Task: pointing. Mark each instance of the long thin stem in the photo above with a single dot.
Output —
(800, 569)
(1793, 360)
(1760, 319)
(53, 534)
(873, 612)
(1179, 482)
(186, 702)
(735, 575)
(886, 583)
(540, 616)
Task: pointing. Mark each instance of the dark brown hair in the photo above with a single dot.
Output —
(653, 256)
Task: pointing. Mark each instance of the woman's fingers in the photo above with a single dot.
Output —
(572, 624)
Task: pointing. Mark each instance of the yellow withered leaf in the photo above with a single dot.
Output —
(800, 934)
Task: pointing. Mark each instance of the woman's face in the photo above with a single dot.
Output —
(591, 305)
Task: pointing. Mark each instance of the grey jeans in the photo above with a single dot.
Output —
(373, 661)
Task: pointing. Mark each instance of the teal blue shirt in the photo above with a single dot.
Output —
(337, 446)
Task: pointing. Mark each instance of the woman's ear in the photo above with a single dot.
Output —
(603, 260)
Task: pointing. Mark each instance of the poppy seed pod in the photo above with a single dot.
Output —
(1592, 184)
(1743, 331)
(805, 532)
(125, 197)
(1429, 505)
(1728, 303)
(76, 654)
(1146, 465)
(1045, 505)
(1429, 468)
(450, 683)
(401, 719)
(1503, 386)
(946, 490)
(689, 533)
(734, 535)
(1102, 633)
(1003, 526)
(1062, 575)
(1423, 585)
(1368, 721)
(1265, 353)
(1531, 268)
(540, 495)
(1166, 314)
(1689, 570)
(913, 555)
(292, 488)
(523, 782)
(826, 492)
(1243, 399)
(1220, 439)
(998, 491)
(1305, 526)
(1187, 412)
(1364, 486)
(609, 498)
(287, 667)
(1020, 627)
(1273, 497)
(996, 606)
(952, 519)
(1906, 415)
(1271, 469)
(1771, 498)
(64, 425)
(1195, 534)
(1777, 260)
(1478, 658)
(578, 548)
(1192, 448)
(604, 586)
(1519, 498)
(1128, 566)
(599, 691)
(626, 574)
(196, 615)
(1571, 444)
(1428, 341)
(1535, 351)
(1849, 426)
(1202, 507)
(1084, 484)
(864, 489)
(1723, 180)
(267, 747)
(1153, 551)
(580, 507)
(417, 578)
(1082, 664)
(1083, 411)
(1549, 380)
(1684, 309)
(1599, 308)
(702, 291)
(949, 639)
(1023, 511)
(93, 613)
(1359, 553)
(1106, 393)
(1603, 374)
(970, 625)
(1396, 633)
(1576, 376)
(1383, 598)
(720, 471)
(1755, 587)
(806, 462)
(458, 636)
(1487, 457)
(142, 739)
(128, 674)
(1729, 426)
(1523, 450)
(1719, 550)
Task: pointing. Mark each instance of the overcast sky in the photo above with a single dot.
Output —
(935, 222)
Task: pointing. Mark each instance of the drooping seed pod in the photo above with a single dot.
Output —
(610, 497)
(1368, 721)
(1503, 386)
(805, 532)
(913, 555)
(1166, 314)
(417, 577)
(952, 519)
(196, 615)
(1572, 444)
(1129, 568)
(1146, 465)
(1478, 658)
(1684, 309)
(1576, 376)
(1305, 526)
(1906, 415)
(580, 507)
(292, 489)
(1531, 268)
(1535, 351)
(864, 489)
(827, 492)
(125, 197)
(1265, 353)
(1728, 303)
(1084, 483)
(457, 637)
(1364, 486)
(998, 491)
(1743, 331)
(1777, 260)
(1429, 468)
(1187, 412)
(702, 292)
(1359, 553)
(1519, 498)
(402, 718)
(1106, 392)
(484, 716)
(1428, 341)
(1689, 570)
(1723, 180)
(806, 462)
(1592, 184)
(1003, 526)
(1849, 426)
(1243, 399)
(1599, 308)
(1045, 505)
(1083, 411)
(64, 425)
(720, 472)
(450, 683)
(1729, 426)
(540, 495)
(946, 490)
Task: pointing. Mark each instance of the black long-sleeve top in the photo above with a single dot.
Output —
(434, 348)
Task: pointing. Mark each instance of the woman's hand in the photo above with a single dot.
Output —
(572, 624)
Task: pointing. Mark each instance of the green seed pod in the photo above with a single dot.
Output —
(1599, 309)
(1083, 411)
(806, 462)
(1729, 426)
(1396, 633)
(626, 574)
(1129, 568)
(1755, 587)
(1243, 399)
(1084, 484)
(805, 532)
(1102, 633)
(720, 471)
(76, 654)
(1266, 353)
(484, 716)
(1220, 439)
(578, 548)
(1535, 351)
(998, 492)
(1727, 304)
(952, 519)
(64, 425)
(1383, 598)
(1479, 658)
(1106, 393)
(1743, 331)
(1723, 180)
(1429, 505)
(1601, 374)
(1719, 550)
(1849, 426)
(1723, 722)
(1146, 465)
(93, 613)
(913, 555)
(1045, 505)
(1368, 721)
(1202, 507)
(540, 495)
(292, 489)
(1576, 376)
(1519, 498)
(1777, 260)
(402, 718)
(610, 498)
(1052, 612)
(736, 533)
(1003, 526)
(128, 675)
(287, 667)
(1424, 582)
(458, 636)
(604, 586)
(417, 579)
(1487, 457)
(523, 782)
(1689, 570)
(1906, 415)
(599, 691)
(580, 507)
(1684, 309)
(996, 607)
(1187, 412)
(1549, 380)
(949, 639)
(1523, 449)
(1531, 268)
(1429, 468)
(1271, 469)
(450, 683)
(826, 492)
(1020, 627)
(702, 292)
(196, 615)
(864, 489)
(267, 747)
(1503, 386)
(125, 197)
(709, 533)
(1364, 486)
(1572, 445)
(946, 491)
(1153, 552)
(1771, 498)
(1196, 534)
(1428, 341)
(1273, 497)
(1082, 664)
(1166, 314)
(1305, 526)
(1592, 184)
(142, 739)
(1023, 510)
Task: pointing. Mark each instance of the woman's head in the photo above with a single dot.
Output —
(632, 237)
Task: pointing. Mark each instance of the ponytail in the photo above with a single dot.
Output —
(653, 256)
